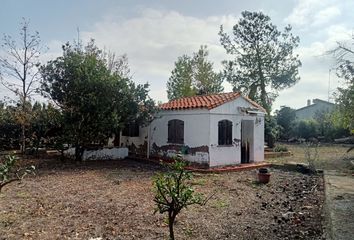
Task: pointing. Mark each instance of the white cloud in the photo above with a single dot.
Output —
(313, 13)
(154, 39)
(326, 15)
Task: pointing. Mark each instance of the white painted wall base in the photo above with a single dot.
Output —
(102, 154)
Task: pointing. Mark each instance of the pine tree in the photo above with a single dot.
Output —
(264, 59)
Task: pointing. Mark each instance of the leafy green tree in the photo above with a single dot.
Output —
(344, 55)
(344, 116)
(206, 81)
(271, 130)
(264, 59)
(194, 76)
(19, 71)
(94, 98)
(180, 83)
(173, 193)
(286, 120)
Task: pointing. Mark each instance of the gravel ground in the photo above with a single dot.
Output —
(114, 200)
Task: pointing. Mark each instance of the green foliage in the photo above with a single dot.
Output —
(280, 148)
(194, 76)
(95, 96)
(271, 130)
(180, 83)
(173, 193)
(264, 59)
(328, 125)
(345, 95)
(45, 126)
(286, 120)
(10, 129)
(9, 172)
(307, 129)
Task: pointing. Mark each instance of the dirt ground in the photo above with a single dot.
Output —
(114, 200)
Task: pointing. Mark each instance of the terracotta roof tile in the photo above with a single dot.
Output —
(205, 101)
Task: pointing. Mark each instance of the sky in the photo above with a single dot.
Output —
(154, 34)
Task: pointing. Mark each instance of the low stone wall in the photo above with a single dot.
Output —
(100, 154)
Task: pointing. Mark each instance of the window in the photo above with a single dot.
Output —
(175, 131)
(225, 132)
(131, 130)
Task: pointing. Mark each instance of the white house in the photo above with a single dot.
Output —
(211, 130)
(310, 111)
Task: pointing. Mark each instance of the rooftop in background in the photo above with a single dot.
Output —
(205, 101)
(310, 111)
(314, 102)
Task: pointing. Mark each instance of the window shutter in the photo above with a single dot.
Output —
(180, 131)
(224, 132)
(175, 131)
(170, 131)
(221, 132)
(228, 132)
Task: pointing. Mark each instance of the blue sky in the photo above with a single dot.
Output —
(154, 33)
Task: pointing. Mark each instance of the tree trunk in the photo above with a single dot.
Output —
(171, 220)
(23, 139)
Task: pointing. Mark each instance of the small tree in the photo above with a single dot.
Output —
(9, 172)
(172, 192)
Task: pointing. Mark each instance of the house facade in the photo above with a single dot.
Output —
(309, 112)
(211, 130)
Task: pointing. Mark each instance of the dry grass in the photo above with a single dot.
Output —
(331, 157)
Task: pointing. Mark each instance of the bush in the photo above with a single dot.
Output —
(307, 129)
(280, 148)
(9, 172)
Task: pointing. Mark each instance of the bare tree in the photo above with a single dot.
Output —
(19, 71)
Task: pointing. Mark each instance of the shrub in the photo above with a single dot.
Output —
(9, 172)
(280, 148)
(307, 129)
(311, 156)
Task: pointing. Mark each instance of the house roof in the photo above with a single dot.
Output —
(205, 101)
(316, 101)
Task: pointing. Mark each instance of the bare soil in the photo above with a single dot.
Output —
(114, 200)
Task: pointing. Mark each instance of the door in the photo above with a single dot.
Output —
(247, 141)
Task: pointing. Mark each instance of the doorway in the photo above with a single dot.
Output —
(247, 141)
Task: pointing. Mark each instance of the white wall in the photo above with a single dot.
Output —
(196, 132)
(101, 154)
(229, 155)
(201, 129)
(259, 141)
